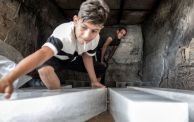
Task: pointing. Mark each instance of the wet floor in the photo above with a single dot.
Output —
(103, 117)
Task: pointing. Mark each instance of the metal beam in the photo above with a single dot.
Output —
(120, 11)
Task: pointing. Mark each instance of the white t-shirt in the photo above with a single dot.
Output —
(65, 45)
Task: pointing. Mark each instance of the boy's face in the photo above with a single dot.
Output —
(121, 34)
(86, 31)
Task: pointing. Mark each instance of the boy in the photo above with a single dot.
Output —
(69, 40)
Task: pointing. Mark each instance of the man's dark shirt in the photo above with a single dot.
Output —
(103, 37)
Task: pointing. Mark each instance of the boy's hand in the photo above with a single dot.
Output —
(97, 85)
(6, 87)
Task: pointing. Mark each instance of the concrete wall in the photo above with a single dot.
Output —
(168, 50)
(125, 65)
(27, 24)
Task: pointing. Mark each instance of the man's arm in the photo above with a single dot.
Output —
(104, 47)
(25, 66)
(111, 53)
(88, 62)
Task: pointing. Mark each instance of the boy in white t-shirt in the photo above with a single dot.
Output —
(67, 42)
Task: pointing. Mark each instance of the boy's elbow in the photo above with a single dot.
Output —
(46, 51)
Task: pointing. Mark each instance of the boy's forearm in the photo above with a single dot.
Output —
(88, 62)
(29, 63)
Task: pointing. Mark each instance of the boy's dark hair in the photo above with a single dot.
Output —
(94, 10)
(122, 28)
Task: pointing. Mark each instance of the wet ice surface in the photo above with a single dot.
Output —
(129, 104)
(43, 105)
(36, 93)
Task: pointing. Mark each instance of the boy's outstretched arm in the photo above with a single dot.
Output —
(88, 62)
(25, 66)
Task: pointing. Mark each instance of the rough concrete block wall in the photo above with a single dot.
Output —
(125, 65)
(10, 52)
(27, 24)
(167, 54)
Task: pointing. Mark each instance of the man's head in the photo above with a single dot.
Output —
(121, 32)
(90, 20)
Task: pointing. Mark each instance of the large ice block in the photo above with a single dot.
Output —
(175, 94)
(129, 105)
(64, 105)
